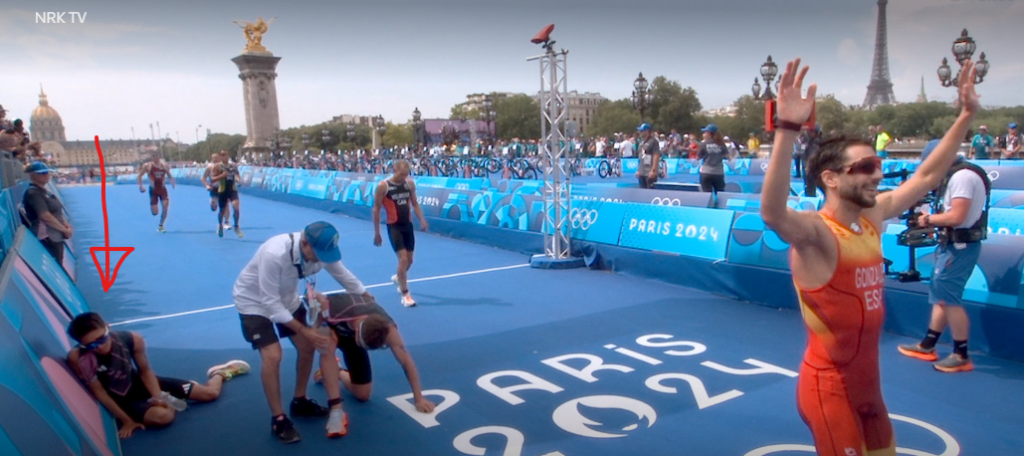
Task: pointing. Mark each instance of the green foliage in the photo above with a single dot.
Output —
(614, 117)
(460, 111)
(398, 135)
(518, 116)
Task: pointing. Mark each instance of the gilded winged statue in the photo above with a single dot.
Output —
(254, 33)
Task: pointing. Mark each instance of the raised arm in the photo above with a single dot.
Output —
(793, 110)
(929, 175)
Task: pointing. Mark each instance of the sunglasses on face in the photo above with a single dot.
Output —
(866, 166)
(96, 343)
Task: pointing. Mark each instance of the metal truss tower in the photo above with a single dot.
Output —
(553, 147)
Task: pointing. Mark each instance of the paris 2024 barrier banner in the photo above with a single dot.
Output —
(727, 228)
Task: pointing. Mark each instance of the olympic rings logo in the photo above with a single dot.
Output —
(993, 175)
(583, 218)
(666, 201)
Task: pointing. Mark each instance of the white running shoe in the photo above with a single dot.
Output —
(337, 423)
(394, 280)
(229, 370)
(407, 300)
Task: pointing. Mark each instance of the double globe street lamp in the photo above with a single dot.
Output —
(417, 126)
(963, 49)
(768, 72)
(643, 95)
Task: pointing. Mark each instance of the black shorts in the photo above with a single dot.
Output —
(136, 402)
(213, 191)
(357, 360)
(712, 182)
(647, 182)
(259, 330)
(402, 237)
(227, 196)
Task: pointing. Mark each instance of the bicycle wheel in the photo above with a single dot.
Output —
(493, 165)
(604, 169)
(530, 173)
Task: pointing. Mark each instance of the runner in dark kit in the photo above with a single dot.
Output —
(226, 173)
(158, 171)
(397, 195)
(359, 324)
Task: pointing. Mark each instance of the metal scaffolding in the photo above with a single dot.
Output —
(553, 146)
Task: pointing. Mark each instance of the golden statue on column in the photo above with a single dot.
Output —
(254, 34)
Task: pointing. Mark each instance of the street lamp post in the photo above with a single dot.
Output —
(489, 116)
(768, 72)
(350, 132)
(417, 125)
(326, 139)
(963, 49)
(643, 95)
(381, 128)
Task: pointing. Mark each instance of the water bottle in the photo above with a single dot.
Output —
(175, 403)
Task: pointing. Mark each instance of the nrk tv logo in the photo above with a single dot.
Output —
(60, 17)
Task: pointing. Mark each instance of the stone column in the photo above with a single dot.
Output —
(256, 70)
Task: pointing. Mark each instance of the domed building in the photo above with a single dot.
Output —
(46, 126)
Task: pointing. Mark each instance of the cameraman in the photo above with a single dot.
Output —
(962, 222)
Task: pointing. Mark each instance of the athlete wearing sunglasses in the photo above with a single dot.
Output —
(837, 266)
(116, 369)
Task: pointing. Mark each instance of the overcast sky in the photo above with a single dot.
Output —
(131, 64)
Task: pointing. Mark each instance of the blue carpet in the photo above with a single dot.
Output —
(512, 319)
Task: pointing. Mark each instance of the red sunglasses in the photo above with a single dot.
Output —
(864, 166)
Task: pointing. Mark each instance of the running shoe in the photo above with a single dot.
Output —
(229, 370)
(916, 351)
(161, 229)
(407, 300)
(220, 230)
(238, 231)
(284, 430)
(394, 280)
(337, 424)
(954, 363)
(307, 407)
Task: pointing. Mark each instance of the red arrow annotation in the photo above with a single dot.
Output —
(107, 277)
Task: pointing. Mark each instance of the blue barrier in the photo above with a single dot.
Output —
(46, 409)
(696, 232)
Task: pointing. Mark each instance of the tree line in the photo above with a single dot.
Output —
(672, 106)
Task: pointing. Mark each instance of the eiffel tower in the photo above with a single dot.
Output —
(880, 88)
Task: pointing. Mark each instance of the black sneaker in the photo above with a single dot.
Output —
(308, 407)
(284, 430)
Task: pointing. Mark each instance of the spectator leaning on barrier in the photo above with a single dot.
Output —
(962, 220)
(44, 212)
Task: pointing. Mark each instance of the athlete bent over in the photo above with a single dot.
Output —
(158, 171)
(838, 270)
(396, 195)
(210, 184)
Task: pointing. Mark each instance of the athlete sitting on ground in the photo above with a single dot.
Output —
(359, 324)
(158, 171)
(397, 196)
(837, 265)
(115, 368)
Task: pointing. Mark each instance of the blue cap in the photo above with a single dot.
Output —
(644, 127)
(37, 167)
(928, 148)
(1013, 125)
(323, 237)
(711, 128)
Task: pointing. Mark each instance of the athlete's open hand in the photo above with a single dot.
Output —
(319, 341)
(969, 99)
(128, 428)
(423, 405)
(793, 107)
(424, 226)
(142, 190)
(377, 241)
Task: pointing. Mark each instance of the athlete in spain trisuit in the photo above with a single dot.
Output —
(838, 268)
(226, 177)
(357, 324)
(158, 171)
(397, 195)
(209, 183)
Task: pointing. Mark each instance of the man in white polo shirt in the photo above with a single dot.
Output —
(266, 295)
